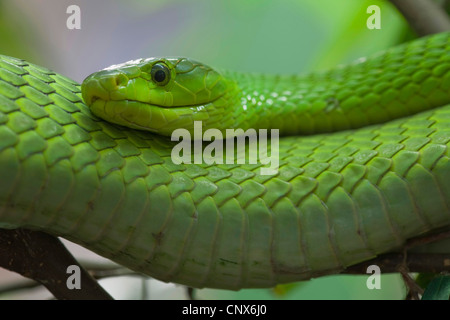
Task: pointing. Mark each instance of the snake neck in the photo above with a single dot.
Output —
(390, 85)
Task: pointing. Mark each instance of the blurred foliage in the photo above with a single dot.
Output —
(423, 279)
(286, 36)
(10, 31)
(438, 289)
(281, 290)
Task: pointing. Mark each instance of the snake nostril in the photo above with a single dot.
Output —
(121, 80)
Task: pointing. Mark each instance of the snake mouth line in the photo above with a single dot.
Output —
(95, 98)
(145, 116)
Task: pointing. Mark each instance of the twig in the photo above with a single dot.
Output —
(190, 293)
(414, 290)
(101, 273)
(44, 258)
(424, 16)
(429, 238)
(416, 262)
(410, 261)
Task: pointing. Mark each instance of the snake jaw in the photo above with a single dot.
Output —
(106, 95)
(102, 93)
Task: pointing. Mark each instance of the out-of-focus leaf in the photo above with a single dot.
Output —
(424, 279)
(282, 290)
(353, 39)
(438, 289)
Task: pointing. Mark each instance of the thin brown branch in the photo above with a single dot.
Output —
(190, 293)
(429, 238)
(416, 262)
(414, 290)
(101, 273)
(406, 261)
(43, 258)
(424, 16)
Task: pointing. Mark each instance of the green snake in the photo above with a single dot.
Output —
(364, 164)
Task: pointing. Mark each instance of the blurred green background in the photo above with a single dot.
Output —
(275, 36)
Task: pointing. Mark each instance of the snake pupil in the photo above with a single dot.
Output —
(159, 76)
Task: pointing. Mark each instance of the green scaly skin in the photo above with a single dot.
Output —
(338, 199)
(398, 83)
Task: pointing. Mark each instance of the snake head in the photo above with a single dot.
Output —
(158, 94)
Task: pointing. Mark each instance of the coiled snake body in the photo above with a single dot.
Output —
(375, 173)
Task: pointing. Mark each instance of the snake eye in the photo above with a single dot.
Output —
(160, 74)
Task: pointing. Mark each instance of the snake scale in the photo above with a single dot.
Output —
(364, 164)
